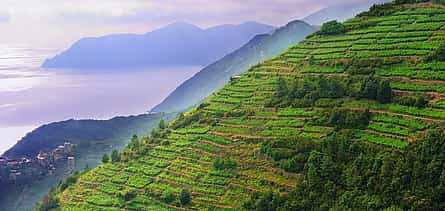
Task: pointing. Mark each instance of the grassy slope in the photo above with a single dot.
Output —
(400, 39)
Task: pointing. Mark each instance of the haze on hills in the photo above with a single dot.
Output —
(214, 76)
(173, 45)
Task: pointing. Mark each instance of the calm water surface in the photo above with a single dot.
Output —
(31, 96)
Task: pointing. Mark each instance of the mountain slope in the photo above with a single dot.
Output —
(93, 139)
(217, 74)
(349, 119)
(175, 44)
(341, 12)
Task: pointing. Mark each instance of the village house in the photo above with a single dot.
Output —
(20, 171)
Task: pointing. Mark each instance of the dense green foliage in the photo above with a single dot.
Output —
(358, 119)
(332, 28)
(375, 89)
(345, 175)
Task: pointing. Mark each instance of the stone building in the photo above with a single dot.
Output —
(71, 165)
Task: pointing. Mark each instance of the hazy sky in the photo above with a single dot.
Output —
(57, 23)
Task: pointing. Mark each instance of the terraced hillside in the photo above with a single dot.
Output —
(377, 79)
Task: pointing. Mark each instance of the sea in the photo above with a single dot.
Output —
(31, 96)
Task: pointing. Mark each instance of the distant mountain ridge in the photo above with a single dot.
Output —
(341, 12)
(174, 44)
(217, 74)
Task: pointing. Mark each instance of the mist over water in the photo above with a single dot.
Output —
(32, 96)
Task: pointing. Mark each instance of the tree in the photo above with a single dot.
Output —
(162, 124)
(341, 118)
(115, 157)
(420, 101)
(312, 170)
(105, 158)
(281, 94)
(134, 142)
(369, 88)
(185, 197)
(332, 28)
(282, 88)
(293, 94)
(384, 92)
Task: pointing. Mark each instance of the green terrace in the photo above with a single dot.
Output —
(380, 82)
